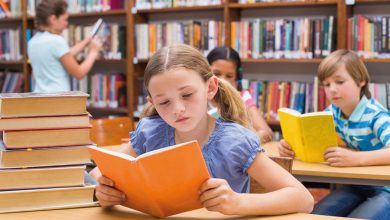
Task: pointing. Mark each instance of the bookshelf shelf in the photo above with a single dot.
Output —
(180, 9)
(252, 60)
(283, 4)
(121, 12)
(377, 60)
(372, 2)
(99, 111)
(18, 62)
(11, 19)
(111, 61)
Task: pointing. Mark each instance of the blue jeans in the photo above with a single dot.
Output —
(356, 201)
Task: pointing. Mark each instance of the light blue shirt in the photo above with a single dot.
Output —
(44, 51)
(366, 129)
(228, 153)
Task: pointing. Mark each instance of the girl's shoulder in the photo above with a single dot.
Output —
(230, 132)
(153, 123)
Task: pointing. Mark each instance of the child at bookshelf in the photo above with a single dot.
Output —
(180, 84)
(363, 124)
(225, 63)
(50, 56)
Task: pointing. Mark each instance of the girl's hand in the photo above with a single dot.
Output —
(341, 157)
(95, 45)
(106, 193)
(285, 149)
(265, 135)
(216, 195)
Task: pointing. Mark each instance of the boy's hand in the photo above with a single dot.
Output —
(285, 149)
(341, 157)
(106, 193)
(216, 195)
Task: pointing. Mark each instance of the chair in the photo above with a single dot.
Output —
(285, 162)
(110, 131)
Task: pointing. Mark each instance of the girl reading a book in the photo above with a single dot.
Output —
(225, 63)
(180, 85)
(364, 125)
(50, 56)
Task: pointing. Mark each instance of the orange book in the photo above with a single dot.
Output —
(162, 182)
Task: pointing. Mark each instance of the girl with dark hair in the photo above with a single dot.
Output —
(225, 63)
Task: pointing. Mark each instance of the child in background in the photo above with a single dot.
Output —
(364, 125)
(225, 63)
(180, 85)
(50, 56)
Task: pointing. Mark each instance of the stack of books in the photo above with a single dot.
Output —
(44, 151)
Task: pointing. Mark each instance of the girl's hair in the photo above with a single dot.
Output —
(226, 53)
(353, 64)
(46, 8)
(228, 100)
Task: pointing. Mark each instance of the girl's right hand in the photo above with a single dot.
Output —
(106, 193)
(95, 45)
(285, 149)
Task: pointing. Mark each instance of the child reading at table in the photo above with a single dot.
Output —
(180, 85)
(364, 125)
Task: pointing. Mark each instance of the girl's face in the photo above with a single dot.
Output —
(180, 97)
(226, 70)
(58, 24)
(342, 91)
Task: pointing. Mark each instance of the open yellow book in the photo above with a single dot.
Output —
(308, 134)
(162, 182)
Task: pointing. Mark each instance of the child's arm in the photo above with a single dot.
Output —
(286, 194)
(80, 70)
(105, 189)
(78, 47)
(343, 157)
(260, 125)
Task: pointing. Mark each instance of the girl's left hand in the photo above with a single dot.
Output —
(341, 157)
(216, 195)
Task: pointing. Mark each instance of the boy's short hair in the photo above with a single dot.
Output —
(353, 64)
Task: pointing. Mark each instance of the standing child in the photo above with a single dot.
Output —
(364, 125)
(50, 56)
(225, 63)
(180, 84)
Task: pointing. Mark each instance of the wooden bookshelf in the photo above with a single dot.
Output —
(230, 11)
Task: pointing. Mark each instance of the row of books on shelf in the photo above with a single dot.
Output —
(303, 97)
(202, 34)
(149, 4)
(112, 35)
(82, 6)
(10, 44)
(107, 90)
(283, 38)
(369, 36)
(11, 81)
(43, 151)
(10, 8)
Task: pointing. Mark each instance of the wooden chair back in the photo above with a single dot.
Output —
(110, 131)
(285, 162)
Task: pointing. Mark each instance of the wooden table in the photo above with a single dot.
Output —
(119, 212)
(319, 172)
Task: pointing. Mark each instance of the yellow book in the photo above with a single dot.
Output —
(308, 134)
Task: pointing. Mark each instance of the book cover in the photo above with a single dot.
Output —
(46, 138)
(45, 199)
(42, 177)
(36, 104)
(308, 134)
(162, 182)
(39, 157)
(44, 122)
(96, 27)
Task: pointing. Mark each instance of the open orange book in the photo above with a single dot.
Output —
(162, 182)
